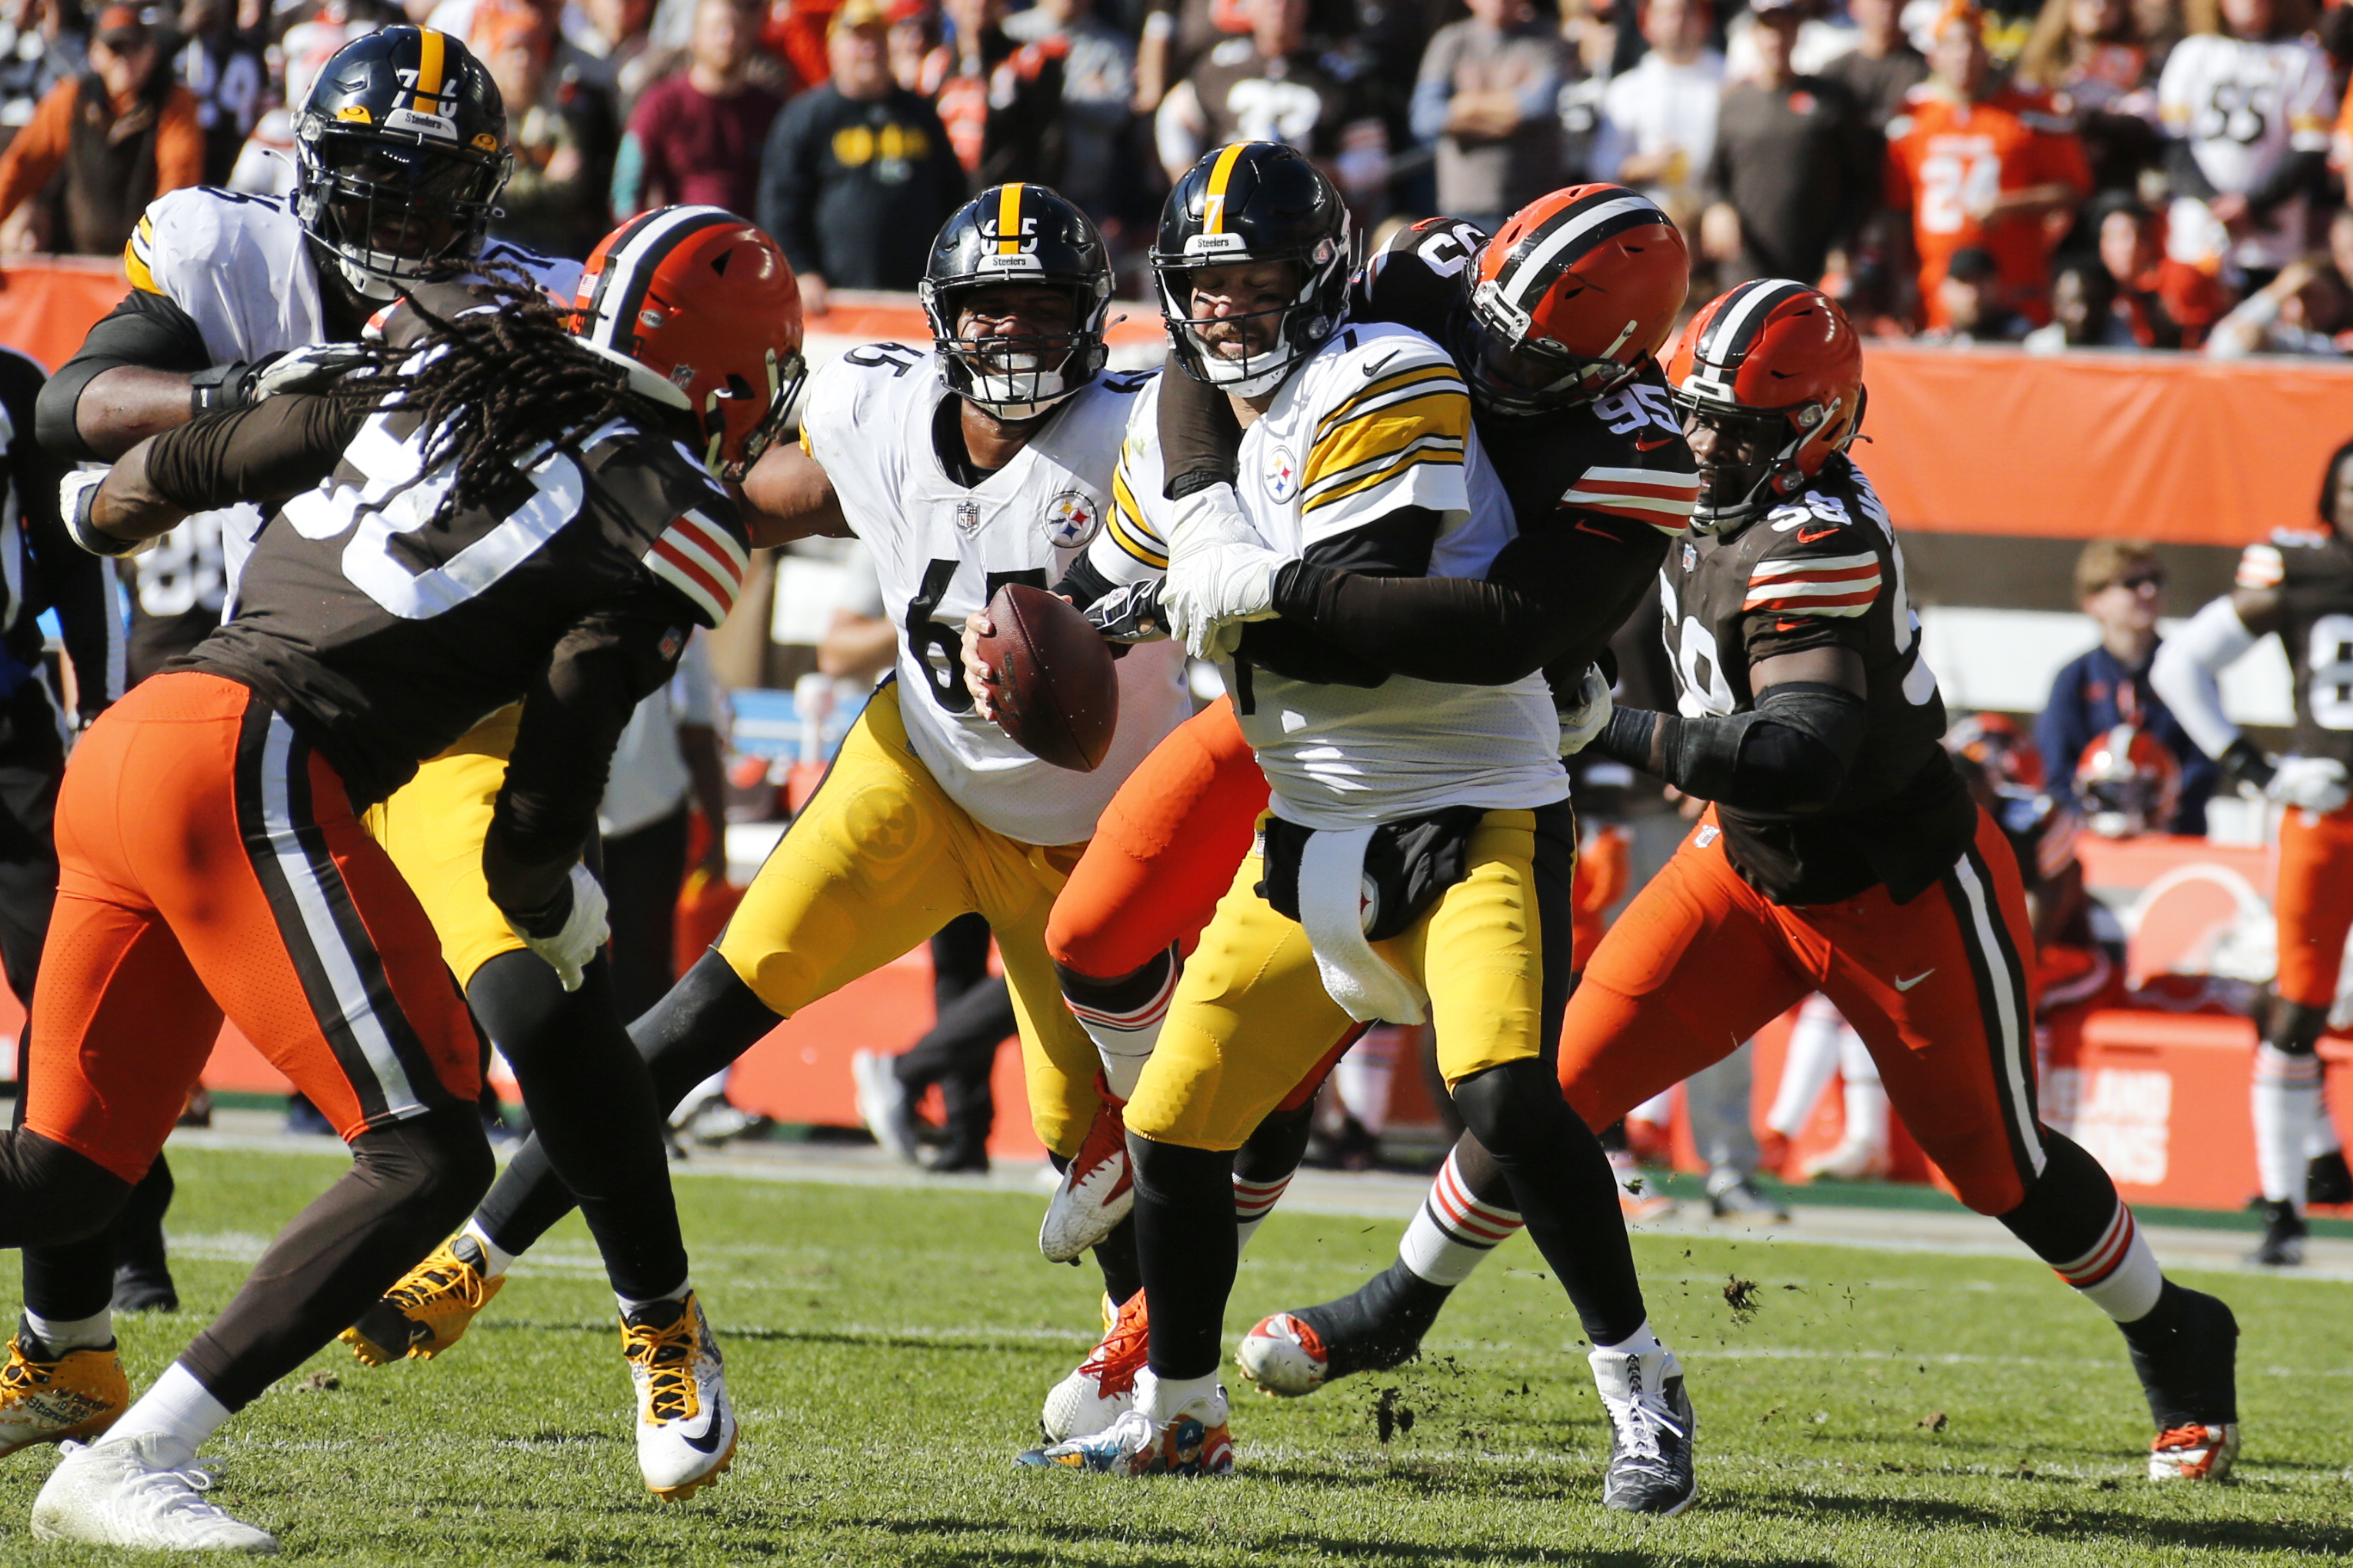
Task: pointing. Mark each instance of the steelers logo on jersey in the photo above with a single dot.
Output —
(1072, 521)
(1282, 475)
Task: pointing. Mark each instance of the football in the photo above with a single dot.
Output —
(1057, 688)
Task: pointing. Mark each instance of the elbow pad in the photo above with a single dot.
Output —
(1788, 753)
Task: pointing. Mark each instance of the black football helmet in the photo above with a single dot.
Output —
(400, 151)
(1027, 235)
(1253, 201)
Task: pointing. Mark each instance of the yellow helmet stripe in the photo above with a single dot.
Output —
(1213, 204)
(429, 68)
(1009, 219)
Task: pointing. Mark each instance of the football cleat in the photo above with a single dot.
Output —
(78, 1394)
(118, 1494)
(1193, 1441)
(429, 1310)
(1852, 1161)
(2197, 1453)
(1103, 1387)
(2284, 1234)
(1284, 1356)
(883, 1104)
(1742, 1198)
(686, 1426)
(1652, 1432)
(1095, 1192)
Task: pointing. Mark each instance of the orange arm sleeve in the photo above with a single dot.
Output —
(39, 149)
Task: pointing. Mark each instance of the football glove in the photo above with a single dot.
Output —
(1132, 613)
(2246, 769)
(1219, 573)
(1580, 723)
(76, 494)
(311, 368)
(2310, 784)
(574, 946)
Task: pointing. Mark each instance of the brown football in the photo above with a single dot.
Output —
(1057, 688)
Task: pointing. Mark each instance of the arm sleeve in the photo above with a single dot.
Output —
(612, 659)
(263, 452)
(146, 330)
(1788, 753)
(39, 150)
(1395, 546)
(1201, 439)
(2186, 667)
(78, 585)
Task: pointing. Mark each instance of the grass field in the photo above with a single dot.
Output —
(887, 1350)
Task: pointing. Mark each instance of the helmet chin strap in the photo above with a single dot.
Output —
(365, 281)
(1237, 377)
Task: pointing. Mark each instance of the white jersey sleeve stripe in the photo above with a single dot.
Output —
(1815, 565)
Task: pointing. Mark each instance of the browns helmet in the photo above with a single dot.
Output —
(1775, 369)
(705, 311)
(1995, 745)
(2128, 784)
(1575, 293)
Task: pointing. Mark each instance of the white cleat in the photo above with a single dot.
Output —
(686, 1428)
(2194, 1453)
(1284, 1355)
(1193, 1440)
(1103, 1387)
(1094, 1195)
(118, 1494)
(883, 1104)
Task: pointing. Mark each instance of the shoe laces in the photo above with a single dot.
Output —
(157, 1496)
(443, 1274)
(1121, 1354)
(665, 1353)
(2195, 1436)
(22, 1373)
(1642, 1424)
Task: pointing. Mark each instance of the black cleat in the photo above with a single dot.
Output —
(2326, 1180)
(2284, 1234)
(1652, 1433)
(1377, 1327)
(144, 1288)
(2185, 1353)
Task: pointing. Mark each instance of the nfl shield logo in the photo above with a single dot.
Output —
(1691, 555)
(1282, 475)
(1072, 521)
(968, 516)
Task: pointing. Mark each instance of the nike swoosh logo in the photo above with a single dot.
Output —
(1642, 445)
(1373, 369)
(1585, 527)
(709, 1442)
(1809, 537)
(1903, 985)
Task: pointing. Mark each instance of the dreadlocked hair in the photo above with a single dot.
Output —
(494, 384)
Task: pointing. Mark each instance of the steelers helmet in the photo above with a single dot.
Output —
(1252, 202)
(1027, 235)
(400, 151)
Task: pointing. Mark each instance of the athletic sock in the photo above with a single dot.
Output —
(59, 1335)
(1123, 1017)
(685, 1289)
(1364, 1076)
(1805, 1071)
(1123, 1277)
(2119, 1274)
(485, 1254)
(1183, 1219)
(1253, 1201)
(2323, 1138)
(2073, 1220)
(1641, 1341)
(1453, 1232)
(1160, 1398)
(2285, 1099)
(1866, 1097)
(178, 1411)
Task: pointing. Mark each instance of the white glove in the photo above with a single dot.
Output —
(76, 491)
(570, 950)
(313, 368)
(1219, 573)
(2311, 783)
(1579, 724)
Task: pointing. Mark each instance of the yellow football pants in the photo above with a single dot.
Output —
(879, 861)
(1251, 1017)
(433, 828)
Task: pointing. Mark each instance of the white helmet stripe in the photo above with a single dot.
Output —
(1729, 335)
(614, 307)
(1534, 274)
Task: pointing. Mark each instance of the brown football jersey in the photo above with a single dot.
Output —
(2312, 572)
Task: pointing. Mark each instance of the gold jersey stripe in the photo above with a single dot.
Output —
(1444, 373)
(1387, 432)
(135, 266)
(1128, 529)
(1436, 456)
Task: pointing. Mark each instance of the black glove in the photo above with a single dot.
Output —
(226, 386)
(2245, 769)
(1130, 613)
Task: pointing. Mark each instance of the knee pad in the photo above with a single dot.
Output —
(439, 1161)
(709, 1018)
(1507, 1109)
(61, 1196)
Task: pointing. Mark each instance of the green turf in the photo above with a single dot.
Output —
(888, 1349)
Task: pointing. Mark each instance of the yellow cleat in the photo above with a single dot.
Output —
(79, 1395)
(686, 1425)
(429, 1310)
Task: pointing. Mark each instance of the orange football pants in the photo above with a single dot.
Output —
(1938, 988)
(2314, 903)
(211, 865)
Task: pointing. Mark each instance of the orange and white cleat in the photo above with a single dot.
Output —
(1284, 1355)
(2194, 1453)
(1103, 1387)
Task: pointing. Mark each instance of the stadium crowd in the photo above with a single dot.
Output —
(2119, 173)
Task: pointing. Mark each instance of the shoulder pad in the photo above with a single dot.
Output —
(199, 225)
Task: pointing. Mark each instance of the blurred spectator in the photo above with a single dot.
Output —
(1794, 166)
(2164, 303)
(266, 166)
(42, 42)
(2082, 310)
(1883, 67)
(859, 174)
(125, 133)
(1819, 41)
(1001, 100)
(1973, 304)
(665, 767)
(564, 138)
(2089, 55)
(1098, 71)
(1277, 86)
(1657, 120)
(222, 64)
(2120, 585)
(1591, 39)
(2250, 114)
(919, 57)
(2306, 310)
(1488, 96)
(1980, 164)
(608, 47)
(696, 137)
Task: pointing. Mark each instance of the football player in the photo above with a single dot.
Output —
(2298, 586)
(1358, 468)
(1843, 852)
(401, 153)
(1555, 325)
(445, 547)
(984, 460)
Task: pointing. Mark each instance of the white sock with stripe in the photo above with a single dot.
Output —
(1453, 1232)
(1253, 1201)
(2322, 1138)
(1125, 1035)
(1865, 1099)
(496, 1259)
(1364, 1076)
(1805, 1071)
(2119, 1274)
(2286, 1101)
(63, 1334)
(179, 1410)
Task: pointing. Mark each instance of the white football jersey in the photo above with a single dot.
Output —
(1378, 420)
(2242, 107)
(239, 266)
(941, 550)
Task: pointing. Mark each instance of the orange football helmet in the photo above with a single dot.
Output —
(705, 311)
(1999, 748)
(2128, 784)
(1777, 368)
(1571, 297)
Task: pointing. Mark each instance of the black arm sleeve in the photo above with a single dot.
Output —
(2294, 174)
(1201, 439)
(147, 330)
(1395, 545)
(572, 719)
(262, 453)
(1789, 753)
(1553, 596)
(1082, 585)
(64, 577)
